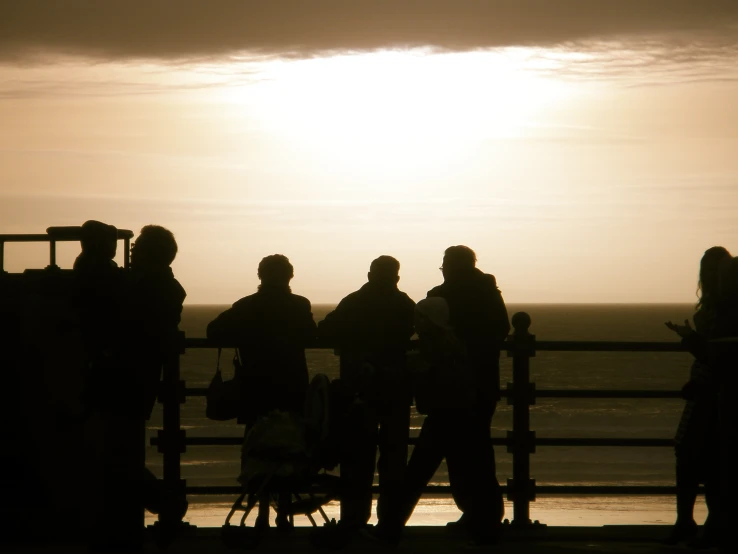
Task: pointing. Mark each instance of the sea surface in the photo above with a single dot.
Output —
(208, 465)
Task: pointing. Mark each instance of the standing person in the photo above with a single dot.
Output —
(148, 310)
(478, 317)
(696, 438)
(154, 300)
(271, 328)
(116, 521)
(450, 400)
(371, 329)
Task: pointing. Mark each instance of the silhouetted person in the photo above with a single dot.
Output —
(723, 355)
(99, 298)
(108, 384)
(371, 329)
(696, 439)
(720, 353)
(271, 328)
(153, 311)
(450, 430)
(478, 317)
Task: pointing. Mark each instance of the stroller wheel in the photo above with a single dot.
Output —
(240, 536)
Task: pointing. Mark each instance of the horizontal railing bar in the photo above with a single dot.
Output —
(606, 346)
(540, 346)
(26, 238)
(546, 393)
(605, 393)
(539, 441)
(446, 489)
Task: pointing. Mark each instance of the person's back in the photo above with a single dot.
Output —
(371, 329)
(478, 314)
(478, 317)
(98, 294)
(154, 300)
(271, 328)
(372, 325)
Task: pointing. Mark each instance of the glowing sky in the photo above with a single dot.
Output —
(588, 151)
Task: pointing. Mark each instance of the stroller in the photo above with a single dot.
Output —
(287, 454)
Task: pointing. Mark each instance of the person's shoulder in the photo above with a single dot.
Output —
(439, 290)
(300, 300)
(405, 299)
(244, 302)
(356, 295)
(486, 281)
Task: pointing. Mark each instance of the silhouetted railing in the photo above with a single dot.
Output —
(61, 234)
(521, 441)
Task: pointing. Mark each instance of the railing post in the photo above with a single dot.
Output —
(172, 437)
(52, 253)
(521, 440)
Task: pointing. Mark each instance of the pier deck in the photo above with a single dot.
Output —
(640, 539)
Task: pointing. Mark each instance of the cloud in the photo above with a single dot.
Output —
(194, 29)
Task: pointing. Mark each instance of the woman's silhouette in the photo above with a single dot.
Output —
(696, 440)
(271, 328)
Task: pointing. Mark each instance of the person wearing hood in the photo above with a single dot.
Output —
(478, 317)
(371, 329)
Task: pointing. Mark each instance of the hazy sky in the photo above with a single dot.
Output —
(586, 149)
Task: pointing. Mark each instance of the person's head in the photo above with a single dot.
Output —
(99, 239)
(432, 316)
(458, 261)
(385, 271)
(155, 247)
(707, 287)
(275, 270)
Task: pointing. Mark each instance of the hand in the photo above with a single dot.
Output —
(682, 330)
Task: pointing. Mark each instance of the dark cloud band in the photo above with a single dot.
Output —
(181, 29)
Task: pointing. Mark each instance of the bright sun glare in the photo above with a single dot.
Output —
(401, 107)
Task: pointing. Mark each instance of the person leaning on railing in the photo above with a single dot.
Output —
(371, 328)
(271, 328)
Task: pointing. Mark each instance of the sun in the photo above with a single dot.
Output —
(396, 113)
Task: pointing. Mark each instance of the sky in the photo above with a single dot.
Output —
(585, 149)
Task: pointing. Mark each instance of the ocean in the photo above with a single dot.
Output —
(549, 417)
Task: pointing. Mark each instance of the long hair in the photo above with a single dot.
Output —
(707, 286)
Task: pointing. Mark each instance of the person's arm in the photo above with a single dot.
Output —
(329, 330)
(496, 320)
(695, 343)
(224, 327)
(501, 319)
(310, 329)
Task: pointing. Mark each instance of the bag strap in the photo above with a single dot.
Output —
(217, 363)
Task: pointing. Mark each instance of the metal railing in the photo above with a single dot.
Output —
(521, 441)
(61, 234)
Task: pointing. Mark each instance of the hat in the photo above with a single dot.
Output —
(435, 310)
